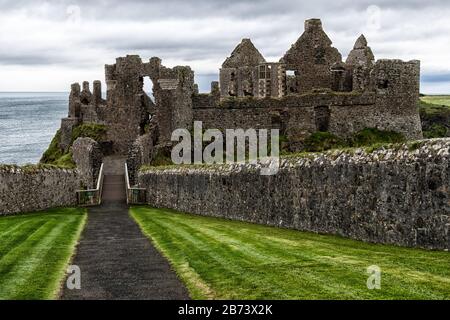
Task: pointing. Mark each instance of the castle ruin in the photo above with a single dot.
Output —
(310, 89)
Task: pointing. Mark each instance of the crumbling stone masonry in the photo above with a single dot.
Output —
(395, 196)
(88, 158)
(128, 111)
(27, 190)
(309, 89)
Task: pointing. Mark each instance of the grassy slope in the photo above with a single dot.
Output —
(55, 156)
(435, 116)
(221, 259)
(35, 250)
(438, 100)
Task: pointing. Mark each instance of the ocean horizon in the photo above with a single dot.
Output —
(28, 122)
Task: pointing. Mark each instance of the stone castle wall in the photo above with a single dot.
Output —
(396, 196)
(309, 89)
(28, 190)
(88, 158)
(298, 116)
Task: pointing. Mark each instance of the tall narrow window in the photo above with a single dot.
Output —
(262, 72)
(322, 117)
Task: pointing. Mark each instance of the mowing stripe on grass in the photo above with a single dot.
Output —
(35, 250)
(224, 259)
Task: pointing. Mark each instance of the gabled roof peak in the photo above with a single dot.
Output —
(361, 42)
(245, 54)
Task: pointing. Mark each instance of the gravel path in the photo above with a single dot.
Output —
(116, 260)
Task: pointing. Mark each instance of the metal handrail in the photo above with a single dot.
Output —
(134, 195)
(92, 197)
(101, 177)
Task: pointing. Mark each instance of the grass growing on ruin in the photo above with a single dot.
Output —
(89, 130)
(369, 137)
(221, 259)
(54, 155)
(35, 250)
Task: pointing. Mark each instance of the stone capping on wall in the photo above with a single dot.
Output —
(394, 195)
(408, 152)
(33, 169)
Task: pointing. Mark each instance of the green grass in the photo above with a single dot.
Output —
(221, 259)
(89, 130)
(435, 116)
(54, 155)
(437, 100)
(322, 141)
(369, 137)
(431, 109)
(35, 250)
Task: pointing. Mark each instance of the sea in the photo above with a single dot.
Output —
(28, 122)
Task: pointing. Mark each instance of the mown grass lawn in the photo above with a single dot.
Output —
(35, 250)
(221, 259)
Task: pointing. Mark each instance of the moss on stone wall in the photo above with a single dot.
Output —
(321, 141)
(161, 159)
(369, 137)
(54, 155)
(89, 130)
(372, 136)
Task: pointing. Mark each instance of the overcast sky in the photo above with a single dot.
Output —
(47, 45)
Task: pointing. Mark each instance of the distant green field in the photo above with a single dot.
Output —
(221, 259)
(435, 116)
(35, 250)
(438, 100)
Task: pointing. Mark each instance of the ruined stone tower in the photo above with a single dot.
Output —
(310, 89)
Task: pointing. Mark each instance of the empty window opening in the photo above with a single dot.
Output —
(148, 88)
(384, 84)
(262, 72)
(276, 121)
(268, 72)
(247, 88)
(232, 86)
(322, 117)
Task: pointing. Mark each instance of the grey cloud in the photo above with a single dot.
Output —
(140, 9)
(28, 59)
(134, 27)
(436, 77)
